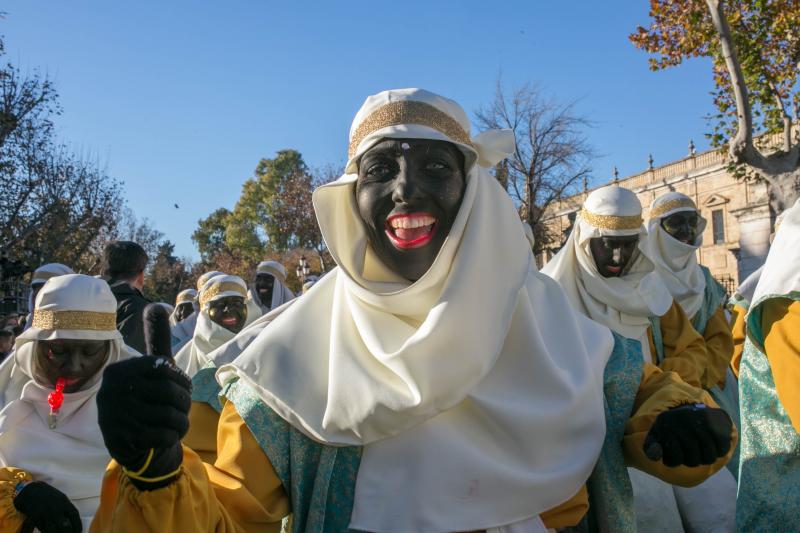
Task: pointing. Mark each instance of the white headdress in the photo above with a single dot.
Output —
(280, 292)
(674, 260)
(71, 457)
(448, 382)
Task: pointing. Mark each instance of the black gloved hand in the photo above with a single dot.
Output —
(143, 404)
(689, 435)
(47, 509)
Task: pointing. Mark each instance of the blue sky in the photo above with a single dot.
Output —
(182, 98)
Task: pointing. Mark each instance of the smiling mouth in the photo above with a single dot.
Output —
(412, 230)
(230, 321)
(614, 269)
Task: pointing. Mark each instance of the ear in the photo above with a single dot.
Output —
(140, 280)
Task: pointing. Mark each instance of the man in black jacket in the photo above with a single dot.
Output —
(123, 268)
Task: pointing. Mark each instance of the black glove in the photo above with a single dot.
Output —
(143, 405)
(47, 509)
(689, 435)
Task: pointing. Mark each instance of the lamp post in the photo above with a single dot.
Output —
(303, 269)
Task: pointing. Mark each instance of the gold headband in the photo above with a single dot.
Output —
(184, 298)
(612, 222)
(88, 320)
(666, 207)
(272, 271)
(408, 112)
(208, 294)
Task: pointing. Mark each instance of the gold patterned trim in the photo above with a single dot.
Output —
(666, 207)
(227, 286)
(272, 271)
(185, 298)
(86, 320)
(614, 222)
(408, 112)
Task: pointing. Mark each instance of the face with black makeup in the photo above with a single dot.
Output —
(265, 284)
(229, 312)
(682, 226)
(612, 254)
(408, 195)
(183, 311)
(77, 361)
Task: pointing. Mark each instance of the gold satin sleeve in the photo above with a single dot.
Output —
(739, 335)
(780, 322)
(11, 520)
(684, 348)
(202, 435)
(568, 513)
(719, 345)
(217, 498)
(658, 392)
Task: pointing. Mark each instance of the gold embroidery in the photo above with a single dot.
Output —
(209, 294)
(615, 222)
(86, 320)
(408, 112)
(184, 298)
(666, 207)
(272, 271)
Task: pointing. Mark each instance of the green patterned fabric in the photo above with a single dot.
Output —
(769, 465)
(658, 338)
(713, 299)
(205, 387)
(610, 494)
(319, 479)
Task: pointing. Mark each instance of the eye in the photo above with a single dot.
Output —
(377, 170)
(437, 165)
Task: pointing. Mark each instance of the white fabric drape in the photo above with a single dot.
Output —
(473, 413)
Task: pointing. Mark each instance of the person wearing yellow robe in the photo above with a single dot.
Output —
(606, 271)
(405, 410)
(769, 480)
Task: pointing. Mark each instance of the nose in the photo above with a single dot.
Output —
(72, 366)
(406, 188)
(616, 255)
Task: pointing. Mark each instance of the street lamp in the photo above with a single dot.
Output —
(303, 269)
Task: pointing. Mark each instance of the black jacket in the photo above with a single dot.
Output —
(130, 310)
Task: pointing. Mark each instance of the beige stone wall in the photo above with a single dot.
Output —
(705, 179)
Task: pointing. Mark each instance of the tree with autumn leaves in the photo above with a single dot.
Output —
(754, 46)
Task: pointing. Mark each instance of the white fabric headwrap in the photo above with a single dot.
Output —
(472, 412)
(39, 277)
(207, 276)
(624, 303)
(674, 260)
(71, 457)
(208, 335)
(781, 274)
(280, 292)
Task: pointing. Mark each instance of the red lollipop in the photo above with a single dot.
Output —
(55, 399)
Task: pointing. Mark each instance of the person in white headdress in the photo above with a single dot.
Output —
(180, 321)
(268, 289)
(38, 279)
(410, 411)
(769, 477)
(608, 276)
(52, 455)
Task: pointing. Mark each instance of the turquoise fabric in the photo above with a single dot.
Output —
(658, 338)
(205, 387)
(610, 494)
(319, 479)
(713, 299)
(769, 465)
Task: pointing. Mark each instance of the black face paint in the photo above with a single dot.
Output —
(612, 254)
(183, 311)
(408, 194)
(265, 285)
(77, 361)
(229, 312)
(682, 226)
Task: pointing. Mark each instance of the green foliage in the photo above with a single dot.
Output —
(166, 275)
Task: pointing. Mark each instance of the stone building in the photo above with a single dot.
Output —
(736, 238)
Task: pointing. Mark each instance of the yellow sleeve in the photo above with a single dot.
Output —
(684, 348)
(568, 513)
(658, 392)
(739, 335)
(11, 520)
(202, 435)
(719, 345)
(216, 498)
(780, 322)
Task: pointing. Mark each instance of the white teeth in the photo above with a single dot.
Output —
(412, 222)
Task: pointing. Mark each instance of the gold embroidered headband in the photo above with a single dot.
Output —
(666, 207)
(612, 222)
(227, 286)
(408, 112)
(272, 271)
(87, 320)
(184, 298)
